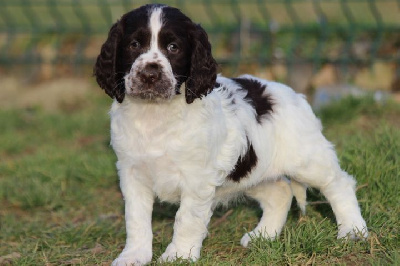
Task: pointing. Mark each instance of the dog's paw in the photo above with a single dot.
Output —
(353, 232)
(136, 258)
(172, 253)
(248, 237)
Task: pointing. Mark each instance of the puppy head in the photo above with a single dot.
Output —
(151, 51)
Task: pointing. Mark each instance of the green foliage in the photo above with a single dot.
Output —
(252, 31)
(60, 201)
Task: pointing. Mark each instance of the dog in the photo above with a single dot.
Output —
(218, 139)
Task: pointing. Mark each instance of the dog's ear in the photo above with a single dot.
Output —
(105, 68)
(203, 68)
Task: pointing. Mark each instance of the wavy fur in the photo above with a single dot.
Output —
(223, 139)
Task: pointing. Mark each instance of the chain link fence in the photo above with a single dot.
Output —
(61, 36)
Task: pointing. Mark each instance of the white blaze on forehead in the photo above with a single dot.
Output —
(152, 55)
(155, 26)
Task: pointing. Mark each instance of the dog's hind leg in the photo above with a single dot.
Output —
(275, 199)
(338, 187)
(341, 194)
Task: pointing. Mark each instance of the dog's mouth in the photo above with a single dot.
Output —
(161, 89)
(151, 94)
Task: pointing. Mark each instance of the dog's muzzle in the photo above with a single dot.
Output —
(149, 82)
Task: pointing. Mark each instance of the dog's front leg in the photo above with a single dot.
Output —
(139, 200)
(190, 226)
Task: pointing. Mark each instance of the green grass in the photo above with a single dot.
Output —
(61, 205)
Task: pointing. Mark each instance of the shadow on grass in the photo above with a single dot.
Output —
(166, 211)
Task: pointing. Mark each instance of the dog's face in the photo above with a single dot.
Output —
(151, 52)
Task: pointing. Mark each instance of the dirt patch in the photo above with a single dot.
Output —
(55, 94)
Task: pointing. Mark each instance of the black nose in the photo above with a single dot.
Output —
(150, 73)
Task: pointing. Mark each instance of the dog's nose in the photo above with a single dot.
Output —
(150, 73)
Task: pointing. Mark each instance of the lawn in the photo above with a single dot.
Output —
(61, 205)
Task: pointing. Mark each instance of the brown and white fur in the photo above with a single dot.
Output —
(220, 138)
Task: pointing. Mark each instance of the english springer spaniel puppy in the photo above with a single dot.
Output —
(215, 140)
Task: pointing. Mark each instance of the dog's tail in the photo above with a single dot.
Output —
(300, 193)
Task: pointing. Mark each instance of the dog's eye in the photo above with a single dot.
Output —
(173, 48)
(135, 45)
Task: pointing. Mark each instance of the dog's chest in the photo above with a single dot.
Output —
(156, 144)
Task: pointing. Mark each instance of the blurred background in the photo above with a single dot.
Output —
(329, 47)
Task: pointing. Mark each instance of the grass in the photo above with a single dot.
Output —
(61, 205)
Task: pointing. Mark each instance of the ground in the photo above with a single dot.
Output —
(61, 205)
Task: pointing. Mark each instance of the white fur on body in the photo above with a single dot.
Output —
(183, 153)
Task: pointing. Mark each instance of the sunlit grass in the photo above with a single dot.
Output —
(60, 201)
